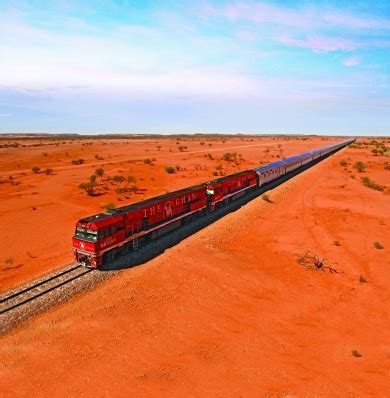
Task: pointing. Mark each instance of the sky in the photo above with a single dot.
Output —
(180, 66)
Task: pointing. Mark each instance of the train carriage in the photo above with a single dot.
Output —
(270, 172)
(306, 158)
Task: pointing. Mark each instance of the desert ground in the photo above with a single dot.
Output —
(40, 209)
(234, 310)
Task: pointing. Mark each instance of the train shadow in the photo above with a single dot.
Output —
(158, 246)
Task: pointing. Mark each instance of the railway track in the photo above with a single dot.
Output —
(25, 295)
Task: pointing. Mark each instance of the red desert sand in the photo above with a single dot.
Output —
(230, 311)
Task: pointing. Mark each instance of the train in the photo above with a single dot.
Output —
(99, 239)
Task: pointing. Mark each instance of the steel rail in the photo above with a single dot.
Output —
(19, 292)
(25, 292)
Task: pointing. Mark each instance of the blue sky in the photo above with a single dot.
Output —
(195, 66)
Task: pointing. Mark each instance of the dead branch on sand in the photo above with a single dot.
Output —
(313, 262)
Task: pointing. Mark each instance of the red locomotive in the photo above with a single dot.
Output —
(101, 238)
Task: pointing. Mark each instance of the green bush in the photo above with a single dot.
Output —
(9, 260)
(121, 189)
(109, 206)
(360, 166)
(229, 156)
(35, 169)
(378, 245)
(371, 184)
(89, 187)
(77, 161)
(118, 178)
(356, 353)
(266, 198)
(99, 172)
(170, 169)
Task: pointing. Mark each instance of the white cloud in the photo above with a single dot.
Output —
(320, 43)
(123, 61)
(304, 17)
(355, 22)
(261, 13)
(39, 60)
(139, 30)
(246, 35)
(351, 61)
(33, 71)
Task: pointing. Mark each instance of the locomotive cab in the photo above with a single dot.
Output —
(96, 235)
(84, 246)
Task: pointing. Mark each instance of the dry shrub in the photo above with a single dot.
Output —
(266, 198)
(378, 245)
(371, 184)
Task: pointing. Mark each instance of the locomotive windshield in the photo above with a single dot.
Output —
(86, 234)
